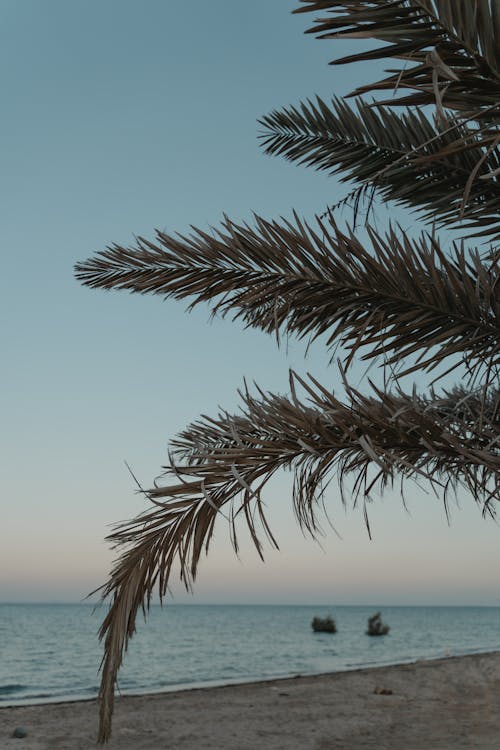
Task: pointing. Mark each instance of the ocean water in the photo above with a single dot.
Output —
(51, 653)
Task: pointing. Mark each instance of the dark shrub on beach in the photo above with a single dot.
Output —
(376, 626)
(324, 625)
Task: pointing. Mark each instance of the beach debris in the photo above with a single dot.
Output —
(20, 732)
(382, 691)
(324, 625)
(376, 626)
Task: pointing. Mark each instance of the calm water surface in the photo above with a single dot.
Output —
(50, 652)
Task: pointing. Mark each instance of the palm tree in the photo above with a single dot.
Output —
(411, 304)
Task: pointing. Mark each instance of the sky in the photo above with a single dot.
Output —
(120, 117)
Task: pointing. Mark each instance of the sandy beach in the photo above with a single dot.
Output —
(446, 703)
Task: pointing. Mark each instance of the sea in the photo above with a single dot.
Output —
(50, 652)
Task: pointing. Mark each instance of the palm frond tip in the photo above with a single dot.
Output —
(452, 440)
(398, 299)
(402, 155)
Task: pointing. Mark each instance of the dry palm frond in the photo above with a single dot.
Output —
(453, 45)
(393, 297)
(403, 297)
(451, 53)
(401, 154)
(226, 462)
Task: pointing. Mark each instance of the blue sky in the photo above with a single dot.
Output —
(119, 117)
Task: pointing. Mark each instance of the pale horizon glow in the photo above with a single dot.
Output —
(120, 118)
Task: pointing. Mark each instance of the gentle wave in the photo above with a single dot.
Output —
(9, 689)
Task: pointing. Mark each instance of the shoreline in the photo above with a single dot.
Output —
(188, 686)
(452, 702)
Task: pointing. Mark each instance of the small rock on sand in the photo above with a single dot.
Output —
(20, 732)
